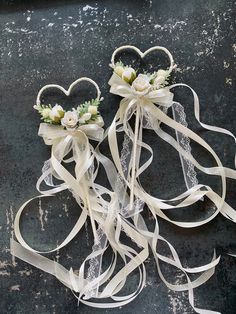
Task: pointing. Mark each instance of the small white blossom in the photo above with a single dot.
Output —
(119, 69)
(141, 84)
(85, 117)
(160, 79)
(46, 113)
(93, 109)
(56, 113)
(129, 75)
(70, 119)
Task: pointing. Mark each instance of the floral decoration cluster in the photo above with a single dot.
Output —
(142, 83)
(85, 113)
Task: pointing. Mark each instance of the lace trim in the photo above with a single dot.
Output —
(189, 172)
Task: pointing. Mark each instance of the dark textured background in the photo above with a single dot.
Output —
(56, 42)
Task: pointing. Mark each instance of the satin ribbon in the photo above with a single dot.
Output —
(150, 107)
(89, 196)
(109, 219)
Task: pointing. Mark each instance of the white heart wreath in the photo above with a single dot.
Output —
(86, 113)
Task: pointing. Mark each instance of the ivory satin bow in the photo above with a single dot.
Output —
(150, 111)
(88, 195)
(122, 213)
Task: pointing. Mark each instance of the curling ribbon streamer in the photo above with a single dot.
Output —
(112, 216)
(89, 196)
(150, 110)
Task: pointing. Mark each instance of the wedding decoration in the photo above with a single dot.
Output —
(116, 212)
(148, 98)
(69, 132)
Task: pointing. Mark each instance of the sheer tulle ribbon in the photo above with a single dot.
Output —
(102, 213)
(122, 213)
(150, 111)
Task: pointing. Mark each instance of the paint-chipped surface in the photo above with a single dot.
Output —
(50, 41)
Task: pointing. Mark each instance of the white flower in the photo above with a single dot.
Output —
(119, 69)
(92, 109)
(141, 84)
(85, 117)
(161, 72)
(158, 81)
(46, 113)
(70, 119)
(56, 113)
(161, 77)
(129, 75)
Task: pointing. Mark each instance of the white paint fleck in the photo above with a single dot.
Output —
(226, 64)
(4, 273)
(185, 69)
(15, 288)
(28, 18)
(228, 81)
(25, 272)
(57, 255)
(234, 47)
(88, 7)
(178, 302)
(65, 208)
(200, 53)
(50, 24)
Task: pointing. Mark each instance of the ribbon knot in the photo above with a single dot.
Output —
(161, 96)
(51, 133)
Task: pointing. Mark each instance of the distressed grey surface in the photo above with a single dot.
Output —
(58, 41)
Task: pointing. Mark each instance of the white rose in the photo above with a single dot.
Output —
(70, 119)
(161, 77)
(158, 81)
(85, 117)
(141, 84)
(46, 113)
(92, 109)
(56, 113)
(129, 75)
(119, 70)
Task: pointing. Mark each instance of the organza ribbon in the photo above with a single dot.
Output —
(150, 110)
(91, 198)
(119, 210)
